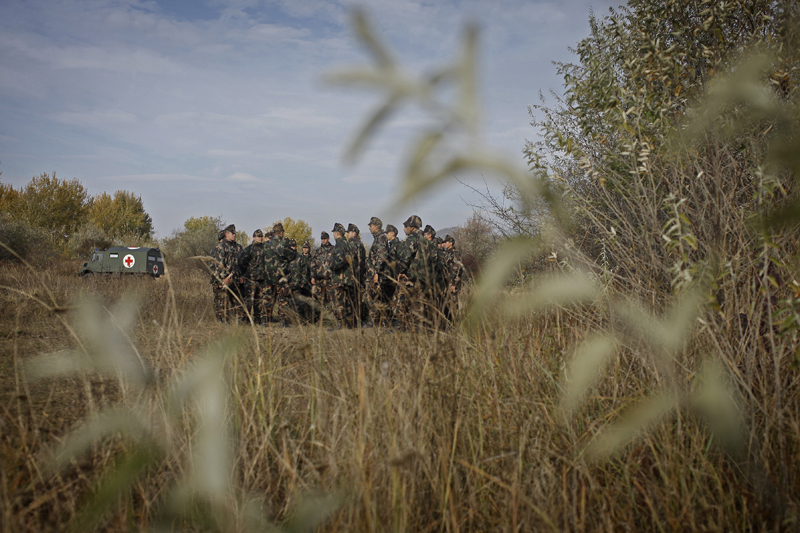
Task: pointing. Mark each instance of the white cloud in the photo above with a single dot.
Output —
(243, 177)
(95, 118)
(228, 153)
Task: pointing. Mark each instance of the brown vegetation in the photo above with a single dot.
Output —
(415, 432)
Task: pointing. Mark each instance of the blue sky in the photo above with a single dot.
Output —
(216, 107)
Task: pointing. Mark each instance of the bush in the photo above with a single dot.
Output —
(87, 239)
(21, 241)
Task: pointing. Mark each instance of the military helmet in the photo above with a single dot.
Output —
(277, 227)
(391, 229)
(438, 240)
(375, 221)
(414, 221)
(231, 228)
(354, 228)
(448, 238)
(292, 242)
(270, 234)
(221, 235)
(307, 245)
(338, 227)
(324, 235)
(258, 233)
(429, 229)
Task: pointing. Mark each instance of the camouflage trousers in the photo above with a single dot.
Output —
(253, 290)
(302, 303)
(322, 292)
(344, 304)
(417, 304)
(225, 304)
(379, 300)
(269, 294)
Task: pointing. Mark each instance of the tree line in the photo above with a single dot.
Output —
(50, 217)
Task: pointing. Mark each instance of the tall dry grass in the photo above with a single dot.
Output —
(438, 431)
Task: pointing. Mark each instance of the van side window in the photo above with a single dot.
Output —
(113, 256)
(94, 257)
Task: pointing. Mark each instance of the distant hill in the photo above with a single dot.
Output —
(444, 231)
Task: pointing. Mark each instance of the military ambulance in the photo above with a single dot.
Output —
(122, 260)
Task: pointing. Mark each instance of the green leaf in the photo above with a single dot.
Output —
(716, 403)
(585, 367)
(366, 35)
(496, 272)
(114, 485)
(554, 290)
(367, 130)
(636, 421)
(107, 423)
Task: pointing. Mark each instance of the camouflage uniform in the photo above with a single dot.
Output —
(455, 271)
(321, 272)
(379, 295)
(300, 282)
(252, 268)
(359, 272)
(277, 256)
(225, 265)
(418, 260)
(343, 280)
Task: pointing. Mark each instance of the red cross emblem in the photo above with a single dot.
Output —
(128, 261)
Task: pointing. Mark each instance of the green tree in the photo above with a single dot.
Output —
(120, 215)
(298, 230)
(9, 197)
(57, 206)
(203, 223)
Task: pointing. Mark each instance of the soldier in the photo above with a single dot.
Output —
(417, 264)
(277, 256)
(429, 232)
(455, 273)
(359, 270)
(438, 288)
(300, 282)
(224, 268)
(321, 271)
(252, 267)
(343, 281)
(379, 275)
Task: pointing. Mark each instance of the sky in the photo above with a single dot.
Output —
(217, 107)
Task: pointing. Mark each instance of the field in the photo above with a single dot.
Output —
(444, 431)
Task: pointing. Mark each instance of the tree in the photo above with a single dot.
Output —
(123, 214)
(198, 237)
(57, 206)
(476, 241)
(298, 230)
(9, 197)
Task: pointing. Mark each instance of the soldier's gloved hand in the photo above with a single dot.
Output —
(452, 288)
(227, 281)
(375, 279)
(313, 282)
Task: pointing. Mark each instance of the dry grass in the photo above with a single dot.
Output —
(416, 432)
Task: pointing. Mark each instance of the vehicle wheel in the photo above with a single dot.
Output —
(88, 275)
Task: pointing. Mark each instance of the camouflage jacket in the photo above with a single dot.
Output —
(225, 257)
(251, 263)
(321, 262)
(277, 257)
(378, 260)
(419, 259)
(301, 272)
(344, 257)
(391, 256)
(360, 255)
(454, 268)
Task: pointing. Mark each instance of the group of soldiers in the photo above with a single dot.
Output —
(396, 283)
